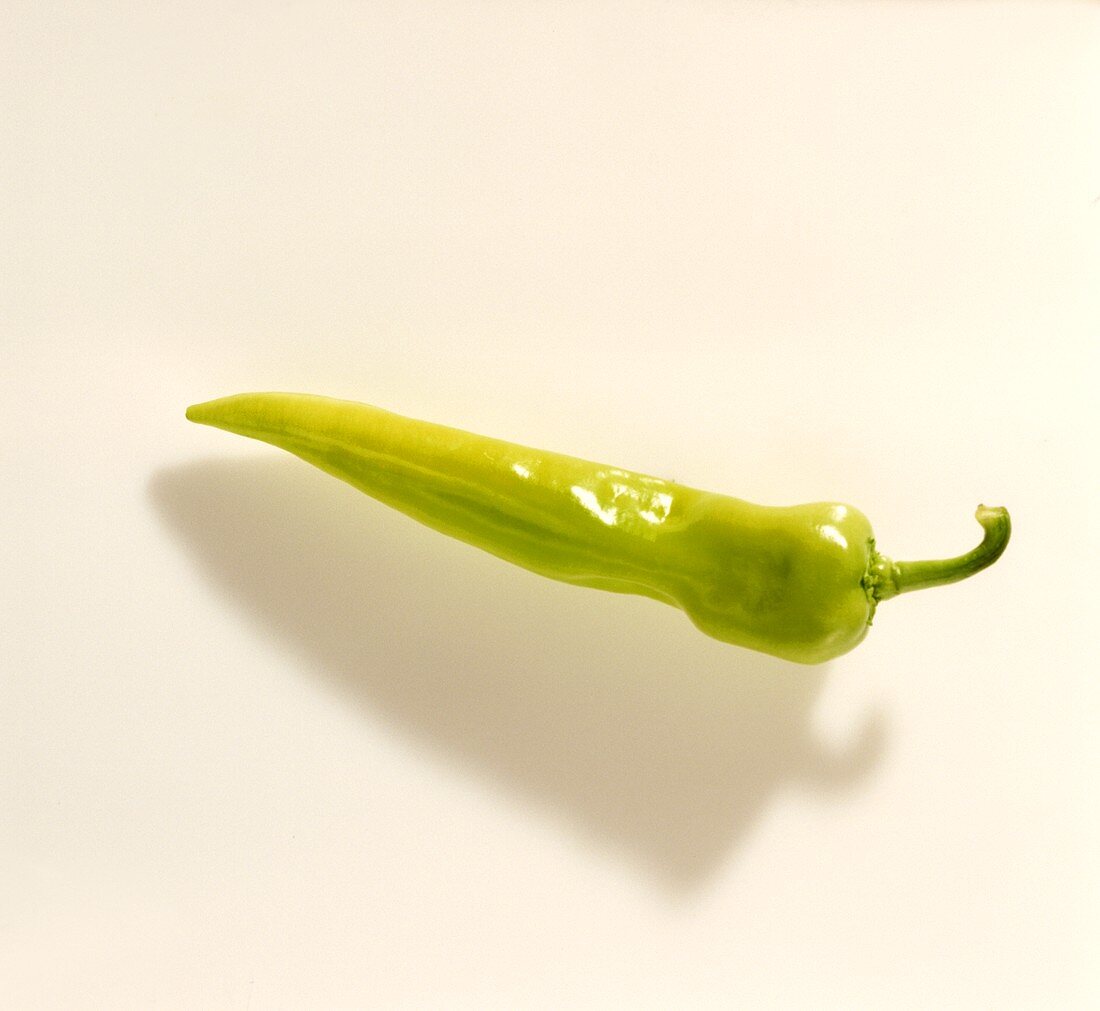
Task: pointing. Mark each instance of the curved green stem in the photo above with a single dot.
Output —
(889, 578)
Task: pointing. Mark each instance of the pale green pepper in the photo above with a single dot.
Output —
(798, 582)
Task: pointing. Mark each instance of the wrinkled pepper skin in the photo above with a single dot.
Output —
(798, 582)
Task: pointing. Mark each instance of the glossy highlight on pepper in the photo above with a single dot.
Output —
(798, 582)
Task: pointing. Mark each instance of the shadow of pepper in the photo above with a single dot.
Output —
(611, 712)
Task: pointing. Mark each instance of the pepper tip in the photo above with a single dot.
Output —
(201, 413)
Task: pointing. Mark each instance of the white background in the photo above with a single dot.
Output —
(265, 744)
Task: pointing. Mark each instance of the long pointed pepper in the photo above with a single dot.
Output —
(799, 582)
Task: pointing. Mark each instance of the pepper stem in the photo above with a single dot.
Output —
(889, 578)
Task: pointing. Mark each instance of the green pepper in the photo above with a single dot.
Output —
(798, 582)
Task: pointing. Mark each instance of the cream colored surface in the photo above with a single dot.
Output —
(267, 745)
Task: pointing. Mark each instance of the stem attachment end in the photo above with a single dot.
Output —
(887, 578)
